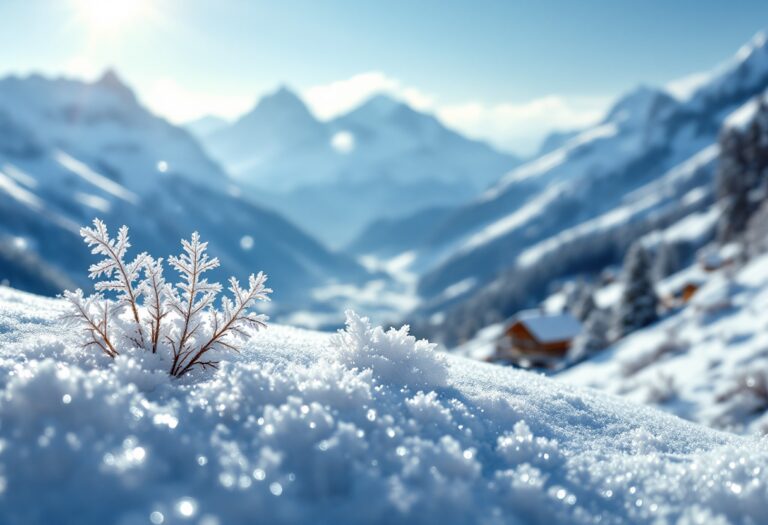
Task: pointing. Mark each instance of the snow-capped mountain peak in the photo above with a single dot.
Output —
(111, 80)
(640, 106)
(745, 72)
(281, 103)
(379, 106)
(380, 159)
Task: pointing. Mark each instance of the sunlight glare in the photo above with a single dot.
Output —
(110, 15)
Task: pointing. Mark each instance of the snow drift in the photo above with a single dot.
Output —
(365, 426)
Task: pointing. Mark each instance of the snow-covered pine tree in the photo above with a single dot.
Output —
(583, 304)
(731, 186)
(593, 337)
(742, 177)
(639, 302)
(757, 232)
(668, 260)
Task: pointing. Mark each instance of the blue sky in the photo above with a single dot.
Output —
(506, 71)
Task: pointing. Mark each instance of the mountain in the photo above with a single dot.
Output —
(71, 150)
(555, 140)
(277, 128)
(205, 126)
(385, 238)
(380, 160)
(649, 163)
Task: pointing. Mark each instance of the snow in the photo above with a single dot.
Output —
(704, 362)
(549, 162)
(683, 88)
(483, 345)
(369, 425)
(24, 196)
(100, 181)
(529, 211)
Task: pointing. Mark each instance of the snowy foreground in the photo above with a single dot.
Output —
(367, 427)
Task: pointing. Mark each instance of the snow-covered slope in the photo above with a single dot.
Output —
(70, 151)
(365, 427)
(100, 123)
(381, 160)
(647, 164)
(707, 362)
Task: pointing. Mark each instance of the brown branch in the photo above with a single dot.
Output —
(156, 312)
(188, 313)
(99, 328)
(217, 336)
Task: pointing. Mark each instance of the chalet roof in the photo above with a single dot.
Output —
(677, 282)
(548, 328)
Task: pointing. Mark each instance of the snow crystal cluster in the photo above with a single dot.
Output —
(366, 426)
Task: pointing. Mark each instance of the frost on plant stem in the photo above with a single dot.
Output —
(148, 313)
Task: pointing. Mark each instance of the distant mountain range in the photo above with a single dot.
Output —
(382, 160)
(70, 151)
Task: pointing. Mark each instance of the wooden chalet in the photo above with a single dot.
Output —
(713, 260)
(534, 339)
(677, 290)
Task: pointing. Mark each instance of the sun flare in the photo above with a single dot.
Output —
(110, 15)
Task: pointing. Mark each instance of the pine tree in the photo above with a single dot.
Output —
(742, 177)
(583, 304)
(638, 304)
(668, 260)
(732, 189)
(757, 232)
(593, 337)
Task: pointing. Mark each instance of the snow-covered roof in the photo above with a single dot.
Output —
(694, 274)
(549, 328)
(718, 257)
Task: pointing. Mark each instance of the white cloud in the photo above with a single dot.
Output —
(521, 127)
(329, 100)
(180, 104)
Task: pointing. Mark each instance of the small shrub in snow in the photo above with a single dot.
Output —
(746, 398)
(639, 302)
(150, 314)
(661, 389)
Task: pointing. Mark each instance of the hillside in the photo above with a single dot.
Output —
(647, 165)
(707, 362)
(304, 427)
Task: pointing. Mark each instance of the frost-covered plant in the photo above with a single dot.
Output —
(746, 397)
(661, 389)
(146, 312)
